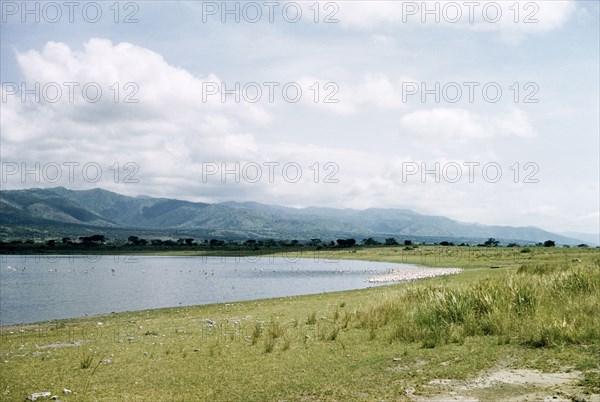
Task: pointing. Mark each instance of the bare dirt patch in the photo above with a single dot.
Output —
(509, 385)
(60, 345)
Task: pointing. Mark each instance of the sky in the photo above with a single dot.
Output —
(479, 111)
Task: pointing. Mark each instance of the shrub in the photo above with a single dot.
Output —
(86, 359)
(312, 318)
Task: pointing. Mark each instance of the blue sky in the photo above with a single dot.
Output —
(365, 147)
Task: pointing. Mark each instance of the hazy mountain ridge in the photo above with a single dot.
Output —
(62, 211)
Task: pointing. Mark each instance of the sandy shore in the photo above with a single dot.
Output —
(410, 274)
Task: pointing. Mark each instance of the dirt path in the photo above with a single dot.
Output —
(509, 385)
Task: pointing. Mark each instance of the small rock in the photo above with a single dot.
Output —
(396, 359)
(54, 397)
(409, 391)
(105, 361)
(35, 396)
(67, 391)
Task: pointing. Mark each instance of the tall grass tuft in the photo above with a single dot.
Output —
(541, 305)
(85, 360)
(275, 330)
(269, 344)
(256, 332)
(312, 318)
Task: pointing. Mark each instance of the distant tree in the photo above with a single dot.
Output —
(250, 243)
(51, 243)
(582, 245)
(408, 242)
(136, 241)
(491, 242)
(294, 243)
(216, 243)
(391, 242)
(270, 243)
(549, 243)
(314, 242)
(156, 242)
(346, 242)
(92, 240)
(370, 242)
(512, 245)
(189, 242)
(98, 238)
(446, 243)
(66, 240)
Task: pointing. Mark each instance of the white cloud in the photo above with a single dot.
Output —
(373, 90)
(168, 133)
(378, 90)
(380, 39)
(464, 125)
(510, 21)
(170, 105)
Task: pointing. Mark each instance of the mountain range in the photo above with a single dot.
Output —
(43, 213)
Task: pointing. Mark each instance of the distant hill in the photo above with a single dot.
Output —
(589, 239)
(62, 212)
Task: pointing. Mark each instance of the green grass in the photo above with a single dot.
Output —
(538, 310)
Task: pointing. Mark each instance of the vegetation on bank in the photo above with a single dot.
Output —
(100, 244)
(537, 309)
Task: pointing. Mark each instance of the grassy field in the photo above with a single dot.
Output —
(513, 314)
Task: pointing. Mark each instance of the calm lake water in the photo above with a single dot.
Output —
(41, 288)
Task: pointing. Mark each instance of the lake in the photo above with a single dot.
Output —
(42, 288)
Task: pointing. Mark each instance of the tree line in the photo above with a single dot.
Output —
(99, 240)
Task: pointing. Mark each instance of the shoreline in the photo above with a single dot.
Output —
(408, 275)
